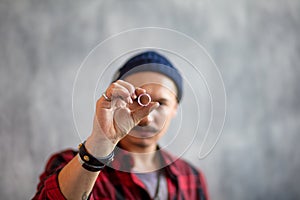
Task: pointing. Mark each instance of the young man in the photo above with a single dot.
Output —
(121, 158)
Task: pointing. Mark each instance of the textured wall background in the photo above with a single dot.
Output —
(255, 44)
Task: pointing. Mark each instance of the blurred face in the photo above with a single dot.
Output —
(162, 90)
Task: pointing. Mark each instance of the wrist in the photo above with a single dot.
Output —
(90, 162)
(99, 147)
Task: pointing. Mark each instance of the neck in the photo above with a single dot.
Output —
(146, 162)
(139, 147)
(146, 158)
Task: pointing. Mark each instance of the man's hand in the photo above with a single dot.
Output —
(115, 117)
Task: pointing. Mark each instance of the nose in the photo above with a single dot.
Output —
(146, 120)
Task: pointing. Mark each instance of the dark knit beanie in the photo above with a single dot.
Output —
(154, 62)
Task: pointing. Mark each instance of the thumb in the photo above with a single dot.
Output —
(143, 111)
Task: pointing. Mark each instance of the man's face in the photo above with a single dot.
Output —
(162, 90)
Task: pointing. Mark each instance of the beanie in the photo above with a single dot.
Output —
(154, 62)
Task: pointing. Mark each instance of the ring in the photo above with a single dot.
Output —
(106, 97)
(144, 99)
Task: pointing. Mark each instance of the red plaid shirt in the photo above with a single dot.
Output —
(183, 180)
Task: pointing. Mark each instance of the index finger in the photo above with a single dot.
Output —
(129, 87)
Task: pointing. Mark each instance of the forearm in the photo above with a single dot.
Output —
(75, 182)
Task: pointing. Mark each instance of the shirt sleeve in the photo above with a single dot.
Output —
(203, 183)
(48, 187)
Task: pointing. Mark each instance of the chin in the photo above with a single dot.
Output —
(139, 142)
(142, 141)
(142, 135)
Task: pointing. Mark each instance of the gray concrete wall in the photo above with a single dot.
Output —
(255, 44)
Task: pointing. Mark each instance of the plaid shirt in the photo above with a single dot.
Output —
(183, 180)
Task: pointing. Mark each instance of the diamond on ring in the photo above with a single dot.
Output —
(106, 97)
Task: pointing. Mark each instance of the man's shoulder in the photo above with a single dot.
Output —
(66, 154)
(59, 159)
